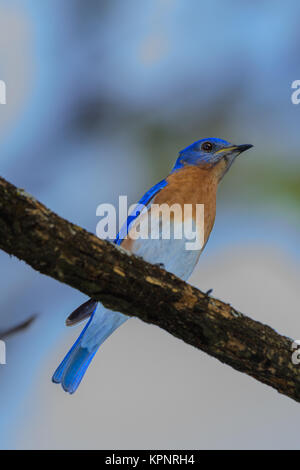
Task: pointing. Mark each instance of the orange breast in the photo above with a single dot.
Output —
(193, 185)
(190, 185)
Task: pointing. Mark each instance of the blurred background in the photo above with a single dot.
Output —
(101, 96)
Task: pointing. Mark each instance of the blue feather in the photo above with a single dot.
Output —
(58, 374)
(76, 369)
(73, 367)
(138, 208)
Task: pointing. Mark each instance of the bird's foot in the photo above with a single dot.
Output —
(208, 292)
(160, 265)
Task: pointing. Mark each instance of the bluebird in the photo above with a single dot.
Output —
(193, 180)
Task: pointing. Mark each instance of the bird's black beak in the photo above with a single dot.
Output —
(243, 148)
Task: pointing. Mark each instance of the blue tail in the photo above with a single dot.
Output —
(73, 367)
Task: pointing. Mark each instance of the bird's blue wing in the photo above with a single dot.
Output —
(144, 201)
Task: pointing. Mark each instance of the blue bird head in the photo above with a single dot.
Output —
(208, 152)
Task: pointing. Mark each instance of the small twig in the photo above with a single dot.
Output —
(16, 329)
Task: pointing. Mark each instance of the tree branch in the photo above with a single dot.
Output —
(125, 283)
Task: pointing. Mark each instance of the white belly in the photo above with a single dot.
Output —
(174, 253)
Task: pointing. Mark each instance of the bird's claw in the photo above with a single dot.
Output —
(208, 292)
(160, 265)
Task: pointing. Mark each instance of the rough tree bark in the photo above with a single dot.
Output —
(123, 282)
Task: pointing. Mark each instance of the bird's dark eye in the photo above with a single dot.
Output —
(207, 146)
